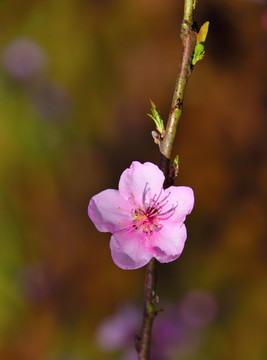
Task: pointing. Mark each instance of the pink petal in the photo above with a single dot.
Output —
(140, 177)
(128, 250)
(108, 211)
(183, 197)
(168, 243)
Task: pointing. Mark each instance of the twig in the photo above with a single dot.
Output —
(188, 36)
(150, 311)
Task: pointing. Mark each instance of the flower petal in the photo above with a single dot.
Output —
(168, 243)
(140, 178)
(108, 211)
(128, 250)
(182, 198)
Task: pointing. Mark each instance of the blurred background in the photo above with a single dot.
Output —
(75, 82)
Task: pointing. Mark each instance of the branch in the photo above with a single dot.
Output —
(143, 342)
(165, 139)
(189, 38)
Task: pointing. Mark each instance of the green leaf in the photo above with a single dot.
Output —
(203, 32)
(156, 118)
(201, 38)
(198, 54)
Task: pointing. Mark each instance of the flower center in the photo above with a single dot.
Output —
(146, 220)
(150, 217)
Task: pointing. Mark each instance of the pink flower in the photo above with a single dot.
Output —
(146, 221)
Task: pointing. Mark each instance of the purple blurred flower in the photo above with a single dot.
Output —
(118, 331)
(169, 334)
(198, 308)
(177, 330)
(24, 60)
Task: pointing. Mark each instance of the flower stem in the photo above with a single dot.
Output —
(150, 311)
(188, 36)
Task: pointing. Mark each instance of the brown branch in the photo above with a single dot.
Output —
(188, 36)
(143, 342)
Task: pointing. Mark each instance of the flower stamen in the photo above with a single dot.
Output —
(148, 218)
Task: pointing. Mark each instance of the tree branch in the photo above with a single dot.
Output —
(188, 36)
(143, 342)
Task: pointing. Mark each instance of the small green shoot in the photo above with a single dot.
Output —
(157, 119)
(176, 160)
(174, 168)
(201, 38)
